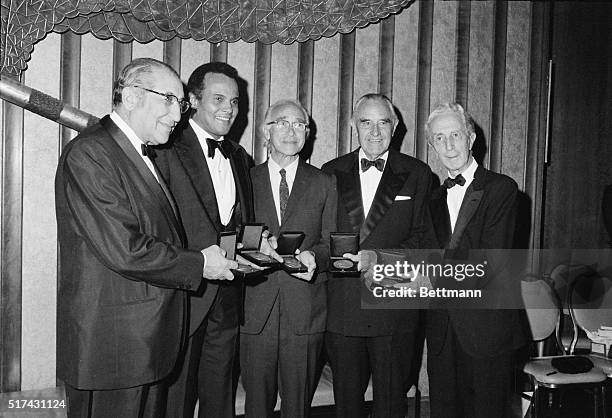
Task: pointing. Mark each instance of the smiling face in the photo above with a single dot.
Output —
(150, 115)
(374, 124)
(217, 107)
(451, 141)
(285, 141)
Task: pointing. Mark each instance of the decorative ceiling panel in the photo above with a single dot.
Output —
(25, 22)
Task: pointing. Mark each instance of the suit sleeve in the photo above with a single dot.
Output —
(114, 225)
(422, 232)
(328, 224)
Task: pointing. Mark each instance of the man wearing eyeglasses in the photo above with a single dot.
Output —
(285, 314)
(123, 265)
(382, 195)
(209, 178)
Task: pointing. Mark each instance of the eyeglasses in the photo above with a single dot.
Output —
(284, 125)
(184, 105)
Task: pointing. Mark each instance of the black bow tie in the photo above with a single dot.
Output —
(148, 151)
(449, 182)
(379, 163)
(224, 147)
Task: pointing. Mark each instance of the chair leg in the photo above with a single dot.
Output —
(417, 403)
(535, 402)
(596, 391)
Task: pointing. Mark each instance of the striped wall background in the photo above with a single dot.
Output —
(488, 55)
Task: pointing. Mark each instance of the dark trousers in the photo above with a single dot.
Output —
(277, 361)
(138, 402)
(206, 371)
(353, 359)
(464, 386)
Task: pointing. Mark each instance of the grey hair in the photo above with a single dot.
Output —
(451, 107)
(286, 102)
(378, 98)
(137, 72)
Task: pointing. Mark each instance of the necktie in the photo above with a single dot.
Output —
(449, 182)
(283, 192)
(222, 146)
(379, 163)
(150, 153)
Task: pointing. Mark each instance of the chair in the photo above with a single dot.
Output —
(590, 303)
(543, 313)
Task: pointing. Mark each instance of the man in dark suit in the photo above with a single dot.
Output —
(285, 315)
(383, 196)
(470, 351)
(121, 320)
(209, 178)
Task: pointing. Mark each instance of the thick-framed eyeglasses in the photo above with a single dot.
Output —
(284, 125)
(184, 105)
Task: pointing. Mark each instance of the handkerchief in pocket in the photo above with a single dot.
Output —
(398, 197)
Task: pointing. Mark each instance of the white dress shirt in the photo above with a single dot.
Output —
(455, 195)
(275, 179)
(369, 182)
(134, 140)
(221, 173)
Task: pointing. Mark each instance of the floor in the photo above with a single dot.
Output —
(575, 404)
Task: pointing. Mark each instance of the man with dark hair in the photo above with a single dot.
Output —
(383, 196)
(209, 178)
(469, 352)
(285, 314)
(122, 259)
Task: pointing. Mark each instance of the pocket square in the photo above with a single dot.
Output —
(398, 197)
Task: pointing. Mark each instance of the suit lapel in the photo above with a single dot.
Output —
(154, 187)
(440, 216)
(192, 157)
(262, 189)
(471, 201)
(390, 184)
(349, 192)
(241, 179)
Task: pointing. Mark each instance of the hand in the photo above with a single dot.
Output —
(365, 259)
(308, 259)
(216, 266)
(268, 245)
(241, 260)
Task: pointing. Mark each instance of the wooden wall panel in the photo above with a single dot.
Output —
(517, 91)
(430, 52)
(481, 67)
(405, 65)
(39, 282)
(283, 72)
(96, 75)
(242, 56)
(325, 101)
(193, 54)
(153, 49)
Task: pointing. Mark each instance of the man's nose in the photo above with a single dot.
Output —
(375, 129)
(449, 143)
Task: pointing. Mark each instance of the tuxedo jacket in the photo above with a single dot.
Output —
(399, 218)
(185, 168)
(486, 221)
(311, 209)
(120, 314)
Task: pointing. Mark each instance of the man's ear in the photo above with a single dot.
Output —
(129, 98)
(193, 100)
(472, 139)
